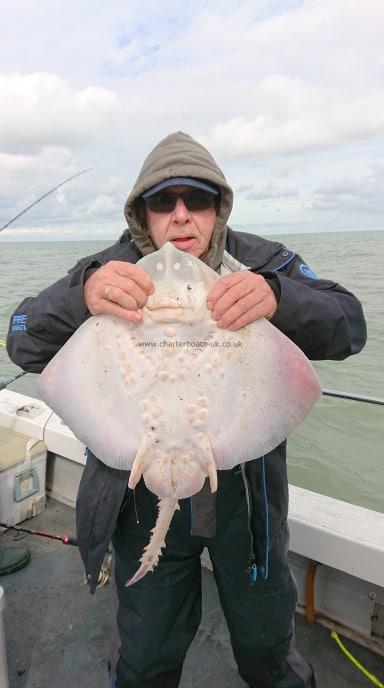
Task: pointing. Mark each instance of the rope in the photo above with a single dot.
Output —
(354, 661)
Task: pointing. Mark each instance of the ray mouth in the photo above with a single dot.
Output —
(163, 304)
(165, 311)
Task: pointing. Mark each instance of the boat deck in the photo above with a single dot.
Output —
(57, 633)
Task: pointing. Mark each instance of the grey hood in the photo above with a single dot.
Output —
(179, 155)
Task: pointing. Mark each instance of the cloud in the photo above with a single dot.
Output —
(286, 94)
(102, 207)
(42, 109)
(295, 117)
(271, 191)
(91, 197)
(361, 193)
(244, 187)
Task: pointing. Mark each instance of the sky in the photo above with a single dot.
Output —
(286, 94)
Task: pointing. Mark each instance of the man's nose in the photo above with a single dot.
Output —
(181, 211)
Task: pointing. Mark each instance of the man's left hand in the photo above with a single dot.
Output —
(240, 298)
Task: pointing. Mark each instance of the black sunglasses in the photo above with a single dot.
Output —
(195, 199)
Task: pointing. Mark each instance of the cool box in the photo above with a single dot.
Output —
(23, 463)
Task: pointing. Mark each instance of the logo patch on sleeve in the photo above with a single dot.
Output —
(19, 323)
(306, 270)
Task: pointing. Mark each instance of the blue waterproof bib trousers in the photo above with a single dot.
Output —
(159, 616)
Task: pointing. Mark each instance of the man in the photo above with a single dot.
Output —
(182, 196)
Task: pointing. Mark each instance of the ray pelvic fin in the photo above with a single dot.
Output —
(140, 464)
(208, 464)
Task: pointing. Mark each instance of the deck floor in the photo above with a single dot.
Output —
(57, 632)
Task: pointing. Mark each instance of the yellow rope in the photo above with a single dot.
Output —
(2, 342)
(355, 662)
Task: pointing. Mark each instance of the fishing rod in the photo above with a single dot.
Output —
(353, 397)
(44, 196)
(5, 383)
(65, 539)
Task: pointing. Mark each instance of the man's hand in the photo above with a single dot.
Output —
(118, 288)
(240, 298)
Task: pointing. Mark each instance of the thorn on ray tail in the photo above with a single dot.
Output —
(152, 551)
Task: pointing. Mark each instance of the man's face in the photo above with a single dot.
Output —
(190, 231)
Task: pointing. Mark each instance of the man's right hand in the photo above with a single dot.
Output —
(118, 288)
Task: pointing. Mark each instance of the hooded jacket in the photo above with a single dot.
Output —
(179, 155)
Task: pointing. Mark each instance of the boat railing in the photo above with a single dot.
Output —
(352, 397)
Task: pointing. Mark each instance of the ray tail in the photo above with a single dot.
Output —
(152, 551)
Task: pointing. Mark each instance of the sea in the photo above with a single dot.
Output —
(339, 449)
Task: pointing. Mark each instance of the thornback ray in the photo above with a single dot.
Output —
(174, 398)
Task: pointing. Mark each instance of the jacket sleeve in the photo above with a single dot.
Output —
(325, 320)
(43, 323)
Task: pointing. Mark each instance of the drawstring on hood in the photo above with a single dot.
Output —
(179, 155)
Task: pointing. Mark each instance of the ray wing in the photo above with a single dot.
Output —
(261, 387)
(95, 383)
